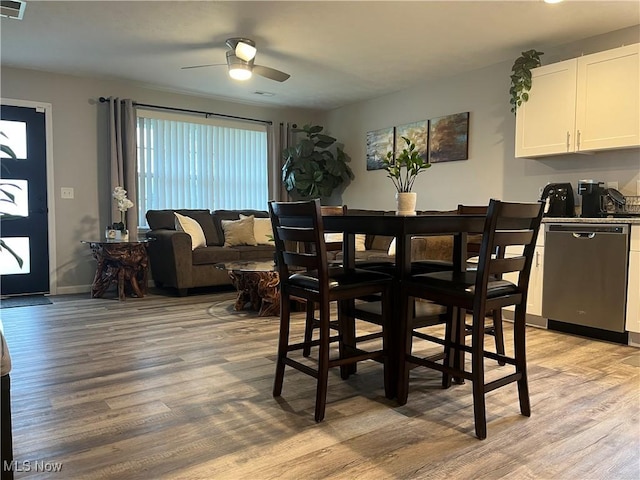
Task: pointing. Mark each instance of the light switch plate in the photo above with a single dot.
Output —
(67, 192)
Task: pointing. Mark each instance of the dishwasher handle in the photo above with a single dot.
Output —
(584, 235)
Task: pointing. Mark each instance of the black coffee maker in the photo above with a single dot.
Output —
(591, 192)
(558, 199)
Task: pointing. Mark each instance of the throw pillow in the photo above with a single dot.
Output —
(392, 248)
(262, 230)
(193, 228)
(239, 232)
(337, 237)
(333, 237)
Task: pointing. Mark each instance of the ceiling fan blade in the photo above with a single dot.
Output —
(270, 73)
(200, 66)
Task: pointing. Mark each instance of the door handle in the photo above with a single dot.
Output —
(584, 235)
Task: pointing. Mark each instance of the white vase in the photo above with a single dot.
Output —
(406, 203)
(122, 235)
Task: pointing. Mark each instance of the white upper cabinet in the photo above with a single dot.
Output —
(608, 100)
(583, 104)
(545, 124)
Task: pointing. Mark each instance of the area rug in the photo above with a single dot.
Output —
(26, 301)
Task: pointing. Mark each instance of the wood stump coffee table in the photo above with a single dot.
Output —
(258, 285)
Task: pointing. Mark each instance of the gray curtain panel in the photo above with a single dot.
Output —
(122, 138)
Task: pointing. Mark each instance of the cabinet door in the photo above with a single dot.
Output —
(633, 283)
(534, 295)
(608, 99)
(545, 124)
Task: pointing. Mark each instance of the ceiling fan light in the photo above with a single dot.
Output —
(239, 72)
(245, 51)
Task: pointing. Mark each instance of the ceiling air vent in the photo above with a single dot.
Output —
(12, 8)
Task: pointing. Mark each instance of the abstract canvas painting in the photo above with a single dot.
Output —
(449, 138)
(379, 142)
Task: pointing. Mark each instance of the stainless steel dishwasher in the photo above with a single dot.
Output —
(585, 279)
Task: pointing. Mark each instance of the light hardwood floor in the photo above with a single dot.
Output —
(166, 387)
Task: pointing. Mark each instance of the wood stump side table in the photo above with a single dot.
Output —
(124, 263)
(258, 285)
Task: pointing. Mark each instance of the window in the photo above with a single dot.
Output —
(189, 162)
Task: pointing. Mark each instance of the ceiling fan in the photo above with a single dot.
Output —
(240, 58)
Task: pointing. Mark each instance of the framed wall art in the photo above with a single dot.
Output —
(449, 138)
(418, 133)
(379, 142)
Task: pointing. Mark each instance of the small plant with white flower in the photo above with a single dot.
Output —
(124, 204)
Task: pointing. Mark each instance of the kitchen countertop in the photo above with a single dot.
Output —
(627, 220)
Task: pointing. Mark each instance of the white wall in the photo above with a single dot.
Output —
(492, 169)
(80, 153)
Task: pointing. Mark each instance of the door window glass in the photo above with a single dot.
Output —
(14, 195)
(14, 256)
(14, 136)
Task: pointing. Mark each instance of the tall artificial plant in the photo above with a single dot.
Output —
(315, 166)
(521, 77)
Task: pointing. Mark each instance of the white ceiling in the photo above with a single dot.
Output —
(336, 52)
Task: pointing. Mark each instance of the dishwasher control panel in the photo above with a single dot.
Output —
(586, 228)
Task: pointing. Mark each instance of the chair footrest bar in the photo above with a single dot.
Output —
(455, 372)
(502, 381)
(302, 367)
(366, 338)
(359, 356)
(312, 343)
(500, 358)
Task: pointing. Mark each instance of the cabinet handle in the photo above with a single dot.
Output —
(578, 141)
(568, 140)
(537, 259)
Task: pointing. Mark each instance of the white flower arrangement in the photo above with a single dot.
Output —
(124, 204)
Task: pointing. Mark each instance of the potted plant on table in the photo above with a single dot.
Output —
(314, 167)
(118, 230)
(403, 171)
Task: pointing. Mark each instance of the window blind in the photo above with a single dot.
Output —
(186, 162)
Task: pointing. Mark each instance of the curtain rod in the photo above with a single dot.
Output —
(184, 110)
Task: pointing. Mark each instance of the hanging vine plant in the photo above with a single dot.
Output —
(521, 77)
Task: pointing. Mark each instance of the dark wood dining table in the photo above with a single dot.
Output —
(403, 228)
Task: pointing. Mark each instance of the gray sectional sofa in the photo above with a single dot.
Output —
(175, 264)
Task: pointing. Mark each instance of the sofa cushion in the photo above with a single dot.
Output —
(380, 242)
(214, 254)
(219, 215)
(203, 217)
(159, 219)
(191, 227)
(238, 232)
(262, 230)
(259, 252)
